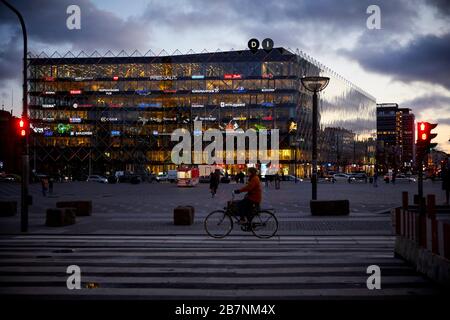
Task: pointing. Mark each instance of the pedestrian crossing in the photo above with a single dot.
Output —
(198, 267)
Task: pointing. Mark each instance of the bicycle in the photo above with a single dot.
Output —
(262, 223)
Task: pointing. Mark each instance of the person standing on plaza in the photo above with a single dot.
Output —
(44, 184)
(277, 181)
(445, 175)
(214, 179)
(375, 178)
(50, 185)
(241, 177)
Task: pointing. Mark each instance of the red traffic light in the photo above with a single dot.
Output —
(423, 136)
(23, 127)
(422, 126)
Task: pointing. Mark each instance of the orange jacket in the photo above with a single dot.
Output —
(253, 189)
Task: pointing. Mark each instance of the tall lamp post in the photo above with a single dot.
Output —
(25, 200)
(314, 84)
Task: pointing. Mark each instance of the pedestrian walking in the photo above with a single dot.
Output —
(44, 184)
(277, 181)
(214, 179)
(241, 177)
(375, 179)
(394, 176)
(50, 185)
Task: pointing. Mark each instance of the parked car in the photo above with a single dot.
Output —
(172, 175)
(9, 177)
(358, 177)
(339, 177)
(97, 178)
(291, 178)
(151, 177)
(112, 179)
(404, 178)
(135, 179)
(326, 178)
(37, 177)
(77, 177)
(162, 177)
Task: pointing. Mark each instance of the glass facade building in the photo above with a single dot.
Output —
(104, 114)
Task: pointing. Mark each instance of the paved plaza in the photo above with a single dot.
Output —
(130, 249)
(147, 208)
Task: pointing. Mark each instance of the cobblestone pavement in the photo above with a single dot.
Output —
(147, 208)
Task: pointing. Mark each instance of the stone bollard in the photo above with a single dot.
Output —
(8, 208)
(83, 208)
(60, 217)
(183, 215)
(329, 207)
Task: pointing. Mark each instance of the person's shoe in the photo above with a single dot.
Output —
(243, 221)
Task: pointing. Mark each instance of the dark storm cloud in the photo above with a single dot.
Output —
(46, 23)
(428, 101)
(430, 106)
(275, 15)
(10, 67)
(46, 26)
(289, 22)
(425, 58)
(443, 6)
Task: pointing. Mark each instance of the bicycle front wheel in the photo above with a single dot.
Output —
(218, 224)
(264, 224)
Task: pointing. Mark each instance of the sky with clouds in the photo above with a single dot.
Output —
(407, 61)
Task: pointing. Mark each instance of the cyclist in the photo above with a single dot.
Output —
(253, 197)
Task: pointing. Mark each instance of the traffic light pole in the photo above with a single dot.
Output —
(25, 155)
(420, 185)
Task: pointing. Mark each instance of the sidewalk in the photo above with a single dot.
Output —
(162, 224)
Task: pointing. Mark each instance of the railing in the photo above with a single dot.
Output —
(429, 229)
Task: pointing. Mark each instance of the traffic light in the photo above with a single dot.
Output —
(23, 128)
(424, 137)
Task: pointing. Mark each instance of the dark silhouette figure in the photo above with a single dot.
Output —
(50, 185)
(44, 183)
(214, 179)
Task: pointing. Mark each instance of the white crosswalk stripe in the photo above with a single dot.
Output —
(198, 267)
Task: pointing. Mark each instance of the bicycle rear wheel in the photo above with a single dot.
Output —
(218, 224)
(264, 224)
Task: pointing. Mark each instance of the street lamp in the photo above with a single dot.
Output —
(25, 199)
(314, 84)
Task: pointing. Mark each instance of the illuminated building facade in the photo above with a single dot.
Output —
(396, 135)
(104, 114)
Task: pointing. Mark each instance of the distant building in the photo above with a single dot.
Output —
(408, 136)
(395, 135)
(9, 144)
